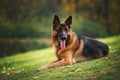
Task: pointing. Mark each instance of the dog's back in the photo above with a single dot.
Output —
(93, 48)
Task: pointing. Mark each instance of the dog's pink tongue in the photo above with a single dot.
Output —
(62, 44)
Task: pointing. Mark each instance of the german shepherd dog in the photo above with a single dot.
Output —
(70, 47)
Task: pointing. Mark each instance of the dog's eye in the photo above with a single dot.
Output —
(66, 29)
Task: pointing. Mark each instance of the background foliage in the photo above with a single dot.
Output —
(33, 19)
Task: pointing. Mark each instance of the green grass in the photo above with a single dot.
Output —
(23, 66)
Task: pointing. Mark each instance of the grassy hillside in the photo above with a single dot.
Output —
(23, 66)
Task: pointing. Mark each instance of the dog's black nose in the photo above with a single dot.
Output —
(64, 38)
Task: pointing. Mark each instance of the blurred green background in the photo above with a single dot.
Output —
(27, 24)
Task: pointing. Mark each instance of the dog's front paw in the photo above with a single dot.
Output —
(41, 68)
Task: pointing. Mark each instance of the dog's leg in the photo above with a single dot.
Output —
(46, 66)
(50, 65)
(61, 62)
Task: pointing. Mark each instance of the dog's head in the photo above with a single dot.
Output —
(62, 30)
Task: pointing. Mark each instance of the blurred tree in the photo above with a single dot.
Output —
(31, 14)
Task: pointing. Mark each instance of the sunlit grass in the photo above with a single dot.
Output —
(23, 66)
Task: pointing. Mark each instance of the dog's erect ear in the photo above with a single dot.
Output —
(56, 20)
(69, 20)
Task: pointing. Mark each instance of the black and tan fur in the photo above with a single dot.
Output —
(73, 48)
